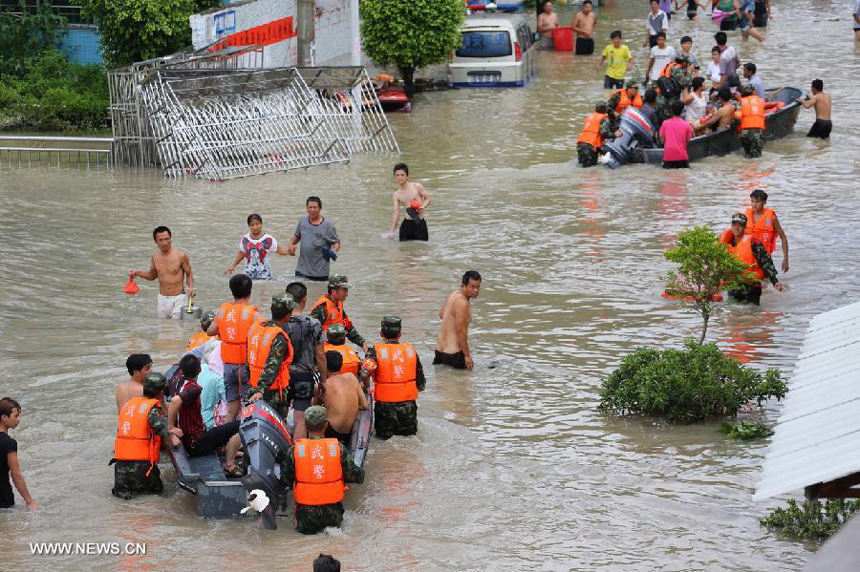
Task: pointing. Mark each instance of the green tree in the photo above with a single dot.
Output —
(137, 30)
(411, 34)
(24, 36)
(705, 266)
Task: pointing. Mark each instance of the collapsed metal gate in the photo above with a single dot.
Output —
(203, 117)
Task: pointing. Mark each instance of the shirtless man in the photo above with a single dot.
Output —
(452, 345)
(415, 199)
(547, 21)
(722, 117)
(139, 366)
(821, 101)
(344, 396)
(583, 26)
(171, 267)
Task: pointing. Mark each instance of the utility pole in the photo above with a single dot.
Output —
(305, 16)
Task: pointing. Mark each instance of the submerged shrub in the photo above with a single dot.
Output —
(692, 384)
(812, 520)
(746, 430)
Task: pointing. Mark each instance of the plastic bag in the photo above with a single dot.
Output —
(130, 287)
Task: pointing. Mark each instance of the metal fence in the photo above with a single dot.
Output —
(28, 151)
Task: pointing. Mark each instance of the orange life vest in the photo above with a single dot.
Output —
(234, 321)
(763, 228)
(333, 312)
(743, 251)
(591, 130)
(625, 102)
(135, 439)
(319, 473)
(351, 361)
(197, 340)
(752, 112)
(667, 69)
(260, 340)
(396, 372)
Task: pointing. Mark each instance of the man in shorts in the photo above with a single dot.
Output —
(620, 59)
(452, 345)
(583, 26)
(171, 267)
(821, 101)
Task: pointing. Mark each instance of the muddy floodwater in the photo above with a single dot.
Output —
(513, 468)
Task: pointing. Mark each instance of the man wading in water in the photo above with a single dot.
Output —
(415, 199)
(452, 345)
(822, 126)
(171, 268)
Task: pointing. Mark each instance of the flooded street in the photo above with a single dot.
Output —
(513, 468)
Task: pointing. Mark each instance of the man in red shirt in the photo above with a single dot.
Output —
(674, 133)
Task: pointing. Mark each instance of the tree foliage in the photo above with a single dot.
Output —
(705, 266)
(137, 30)
(696, 383)
(24, 36)
(411, 34)
(812, 520)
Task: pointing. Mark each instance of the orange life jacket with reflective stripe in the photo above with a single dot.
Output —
(397, 368)
(591, 130)
(333, 312)
(135, 439)
(763, 228)
(319, 474)
(197, 340)
(351, 361)
(234, 321)
(743, 251)
(260, 340)
(667, 69)
(752, 112)
(625, 102)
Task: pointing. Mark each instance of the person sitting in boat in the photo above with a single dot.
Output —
(184, 413)
(752, 122)
(722, 118)
(750, 250)
(141, 428)
(649, 106)
(344, 397)
(202, 337)
(623, 98)
(598, 128)
(317, 467)
(270, 353)
(337, 342)
(398, 378)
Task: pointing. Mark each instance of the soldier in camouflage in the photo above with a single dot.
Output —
(587, 153)
(751, 291)
(282, 308)
(682, 75)
(393, 418)
(311, 519)
(130, 477)
(318, 312)
(752, 140)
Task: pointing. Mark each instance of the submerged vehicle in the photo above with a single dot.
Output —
(781, 115)
(497, 51)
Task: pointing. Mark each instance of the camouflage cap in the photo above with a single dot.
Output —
(747, 89)
(391, 324)
(336, 332)
(315, 417)
(682, 59)
(632, 83)
(283, 303)
(154, 382)
(600, 107)
(739, 217)
(338, 281)
(207, 318)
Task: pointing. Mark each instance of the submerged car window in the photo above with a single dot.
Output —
(485, 45)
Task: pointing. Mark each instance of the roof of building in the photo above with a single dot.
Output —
(818, 433)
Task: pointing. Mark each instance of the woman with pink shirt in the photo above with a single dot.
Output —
(674, 133)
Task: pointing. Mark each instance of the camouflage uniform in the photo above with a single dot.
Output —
(682, 75)
(397, 418)
(753, 142)
(586, 153)
(663, 110)
(278, 399)
(751, 292)
(351, 333)
(130, 478)
(311, 519)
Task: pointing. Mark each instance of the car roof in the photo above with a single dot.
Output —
(487, 19)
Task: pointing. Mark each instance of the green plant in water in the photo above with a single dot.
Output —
(746, 430)
(692, 384)
(812, 520)
(705, 266)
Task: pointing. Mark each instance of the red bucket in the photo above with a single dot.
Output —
(562, 38)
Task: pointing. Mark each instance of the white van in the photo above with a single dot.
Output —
(497, 51)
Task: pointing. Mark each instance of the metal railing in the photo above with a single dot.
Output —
(29, 150)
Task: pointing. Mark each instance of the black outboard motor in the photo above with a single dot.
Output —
(265, 438)
(636, 131)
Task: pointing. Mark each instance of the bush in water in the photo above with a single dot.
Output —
(705, 266)
(746, 430)
(812, 520)
(696, 383)
(411, 35)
